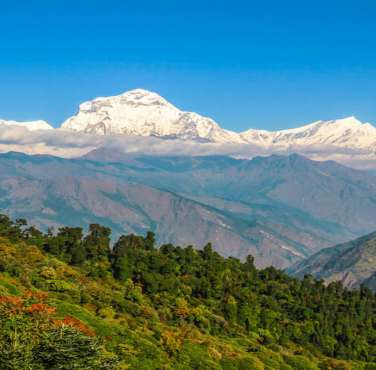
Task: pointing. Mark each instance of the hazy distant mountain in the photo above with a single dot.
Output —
(322, 190)
(352, 263)
(51, 191)
(281, 209)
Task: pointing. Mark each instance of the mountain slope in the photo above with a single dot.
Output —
(130, 207)
(279, 208)
(325, 191)
(347, 133)
(352, 263)
(140, 121)
(144, 113)
(140, 112)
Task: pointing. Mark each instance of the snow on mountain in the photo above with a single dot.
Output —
(135, 119)
(344, 133)
(143, 113)
(32, 125)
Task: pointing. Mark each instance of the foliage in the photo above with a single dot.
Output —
(68, 301)
(32, 337)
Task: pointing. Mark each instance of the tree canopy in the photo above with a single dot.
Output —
(141, 306)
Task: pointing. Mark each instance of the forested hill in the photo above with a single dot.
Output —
(69, 301)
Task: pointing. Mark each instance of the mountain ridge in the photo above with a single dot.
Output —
(144, 113)
(279, 208)
(352, 263)
(144, 122)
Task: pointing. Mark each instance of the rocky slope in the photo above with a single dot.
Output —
(352, 263)
(325, 191)
(133, 208)
(281, 209)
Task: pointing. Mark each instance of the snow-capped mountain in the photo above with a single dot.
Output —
(32, 125)
(343, 133)
(143, 113)
(133, 120)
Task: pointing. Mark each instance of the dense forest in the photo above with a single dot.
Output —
(68, 300)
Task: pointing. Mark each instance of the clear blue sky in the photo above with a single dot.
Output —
(263, 64)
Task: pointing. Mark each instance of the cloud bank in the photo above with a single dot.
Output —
(68, 144)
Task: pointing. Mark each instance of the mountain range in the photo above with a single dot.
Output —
(281, 209)
(130, 170)
(353, 263)
(140, 113)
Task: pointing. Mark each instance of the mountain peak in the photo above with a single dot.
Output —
(140, 92)
(143, 96)
(145, 113)
(351, 120)
(31, 125)
(132, 97)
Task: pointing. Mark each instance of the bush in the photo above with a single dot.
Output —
(66, 348)
(300, 363)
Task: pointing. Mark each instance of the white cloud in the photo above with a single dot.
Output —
(69, 144)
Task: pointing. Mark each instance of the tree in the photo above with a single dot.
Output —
(33, 236)
(231, 309)
(66, 348)
(71, 244)
(97, 242)
(9, 229)
(126, 251)
(150, 240)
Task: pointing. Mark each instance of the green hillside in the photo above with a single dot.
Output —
(67, 301)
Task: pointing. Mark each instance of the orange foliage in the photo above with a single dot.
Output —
(37, 296)
(76, 324)
(11, 305)
(40, 309)
(29, 303)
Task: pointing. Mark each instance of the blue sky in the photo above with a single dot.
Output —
(262, 64)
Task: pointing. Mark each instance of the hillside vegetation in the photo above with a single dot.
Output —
(69, 301)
